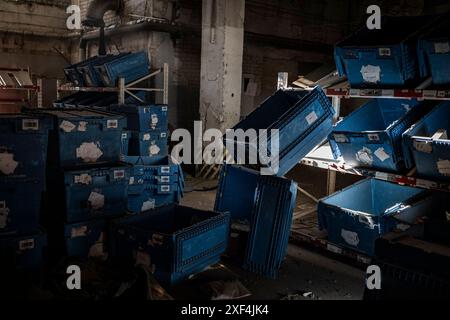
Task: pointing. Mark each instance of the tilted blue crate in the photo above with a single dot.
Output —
(91, 78)
(304, 119)
(74, 76)
(371, 136)
(270, 227)
(356, 216)
(20, 205)
(23, 146)
(89, 193)
(83, 239)
(149, 144)
(144, 117)
(176, 241)
(83, 136)
(382, 57)
(23, 252)
(434, 54)
(130, 67)
(427, 145)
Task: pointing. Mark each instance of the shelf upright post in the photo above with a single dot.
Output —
(166, 84)
(331, 174)
(39, 93)
(121, 98)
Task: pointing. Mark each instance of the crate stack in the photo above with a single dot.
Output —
(23, 153)
(154, 180)
(86, 184)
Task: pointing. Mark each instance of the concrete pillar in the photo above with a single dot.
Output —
(221, 64)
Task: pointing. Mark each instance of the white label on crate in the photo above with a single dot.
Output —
(441, 47)
(30, 124)
(67, 126)
(406, 106)
(165, 188)
(131, 181)
(350, 237)
(382, 176)
(83, 178)
(340, 138)
(124, 135)
(366, 220)
(82, 126)
(365, 156)
(89, 151)
(4, 212)
(381, 154)
(154, 119)
(26, 244)
(374, 137)
(165, 179)
(311, 118)
(164, 108)
(119, 174)
(79, 232)
(165, 169)
(163, 134)
(333, 248)
(146, 137)
(7, 163)
(371, 74)
(112, 124)
(444, 167)
(423, 146)
(96, 200)
(148, 205)
(384, 52)
(98, 250)
(154, 150)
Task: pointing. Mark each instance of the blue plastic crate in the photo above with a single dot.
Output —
(161, 173)
(23, 252)
(23, 146)
(149, 199)
(130, 67)
(304, 119)
(270, 227)
(84, 239)
(91, 78)
(356, 216)
(177, 241)
(434, 54)
(149, 144)
(427, 144)
(20, 205)
(371, 136)
(89, 193)
(382, 57)
(83, 136)
(74, 76)
(144, 117)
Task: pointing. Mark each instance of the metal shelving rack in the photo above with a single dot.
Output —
(18, 79)
(123, 88)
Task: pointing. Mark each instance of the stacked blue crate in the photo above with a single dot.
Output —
(23, 154)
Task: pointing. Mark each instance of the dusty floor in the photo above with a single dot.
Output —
(305, 274)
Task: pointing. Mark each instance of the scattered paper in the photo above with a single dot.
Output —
(89, 152)
(365, 156)
(154, 150)
(148, 205)
(371, 73)
(67, 126)
(350, 237)
(82, 126)
(83, 178)
(96, 200)
(381, 154)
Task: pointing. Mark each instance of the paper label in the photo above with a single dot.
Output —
(7, 163)
(82, 126)
(67, 126)
(154, 120)
(423, 146)
(165, 169)
(26, 244)
(83, 178)
(381, 154)
(340, 138)
(89, 151)
(440, 134)
(373, 137)
(154, 150)
(146, 137)
(131, 181)
(164, 108)
(79, 232)
(371, 73)
(365, 156)
(148, 205)
(165, 179)
(165, 188)
(96, 200)
(112, 124)
(119, 174)
(350, 237)
(444, 167)
(384, 52)
(30, 124)
(441, 47)
(311, 118)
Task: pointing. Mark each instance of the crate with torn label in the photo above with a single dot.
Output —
(74, 76)
(359, 214)
(434, 53)
(23, 146)
(144, 117)
(91, 77)
(130, 67)
(20, 205)
(83, 240)
(23, 252)
(427, 144)
(174, 241)
(149, 144)
(282, 130)
(143, 197)
(371, 136)
(83, 136)
(89, 193)
(383, 57)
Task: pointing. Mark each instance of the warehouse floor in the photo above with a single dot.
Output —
(306, 273)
